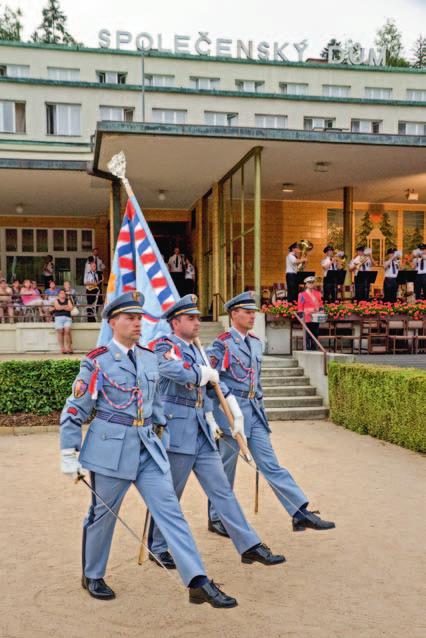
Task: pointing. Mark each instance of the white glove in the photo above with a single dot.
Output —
(208, 374)
(70, 464)
(215, 430)
(238, 416)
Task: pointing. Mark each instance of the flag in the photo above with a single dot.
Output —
(138, 265)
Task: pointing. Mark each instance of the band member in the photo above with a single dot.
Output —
(237, 354)
(362, 262)
(329, 264)
(120, 382)
(92, 284)
(193, 432)
(391, 266)
(292, 262)
(419, 263)
(310, 301)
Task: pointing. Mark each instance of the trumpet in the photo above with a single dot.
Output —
(363, 260)
(340, 259)
(417, 252)
(306, 246)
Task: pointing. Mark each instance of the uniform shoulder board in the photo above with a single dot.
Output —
(253, 336)
(160, 340)
(146, 347)
(224, 336)
(96, 352)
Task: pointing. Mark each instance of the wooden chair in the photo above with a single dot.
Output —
(420, 339)
(373, 335)
(348, 336)
(398, 334)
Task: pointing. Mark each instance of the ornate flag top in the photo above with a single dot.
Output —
(138, 265)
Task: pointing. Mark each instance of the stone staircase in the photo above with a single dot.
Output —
(288, 395)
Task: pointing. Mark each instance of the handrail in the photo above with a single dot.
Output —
(321, 347)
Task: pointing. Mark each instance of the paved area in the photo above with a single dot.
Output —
(399, 360)
(365, 579)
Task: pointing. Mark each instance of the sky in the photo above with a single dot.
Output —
(270, 20)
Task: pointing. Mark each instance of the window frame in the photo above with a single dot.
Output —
(49, 107)
(15, 103)
(265, 115)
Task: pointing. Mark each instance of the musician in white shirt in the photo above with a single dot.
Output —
(391, 266)
(362, 262)
(292, 262)
(328, 263)
(419, 264)
(176, 266)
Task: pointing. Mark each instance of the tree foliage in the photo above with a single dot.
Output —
(10, 24)
(53, 28)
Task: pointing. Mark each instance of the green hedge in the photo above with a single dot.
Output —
(38, 387)
(386, 402)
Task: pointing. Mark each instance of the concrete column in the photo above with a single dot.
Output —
(257, 224)
(348, 199)
(114, 214)
(215, 251)
(199, 257)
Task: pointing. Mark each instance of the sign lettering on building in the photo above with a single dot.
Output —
(204, 45)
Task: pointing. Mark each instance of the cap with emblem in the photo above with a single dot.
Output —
(421, 246)
(245, 300)
(128, 302)
(293, 246)
(360, 248)
(187, 305)
(309, 280)
(327, 249)
(391, 251)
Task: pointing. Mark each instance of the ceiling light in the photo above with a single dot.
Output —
(321, 167)
(19, 209)
(411, 195)
(287, 188)
(161, 195)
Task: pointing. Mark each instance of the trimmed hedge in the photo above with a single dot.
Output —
(38, 387)
(386, 402)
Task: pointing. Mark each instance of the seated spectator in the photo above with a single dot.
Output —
(51, 291)
(16, 295)
(62, 307)
(30, 298)
(5, 300)
(70, 292)
(35, 287)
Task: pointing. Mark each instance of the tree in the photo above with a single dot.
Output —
(335, 236)
(412, 239)
(331, 43)
(53, 28)
(419, 52)
(10, 24)
(390, 38)
(365, 228)
(388, 230)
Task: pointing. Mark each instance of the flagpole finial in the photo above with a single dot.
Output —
(117, 165)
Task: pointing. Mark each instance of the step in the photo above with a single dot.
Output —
(293, 414)
(292, 402)
(278, 362)
(269, 373)
(289, 391)
(280, 381)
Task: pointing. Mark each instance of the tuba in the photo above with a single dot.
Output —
(340, 259)
(305, 246)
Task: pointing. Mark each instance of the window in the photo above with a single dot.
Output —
(214, 118)
(41, 240)
(335, 90)
(15, 70)
(111, 77)
(417, 95)
(205, 84)
(169, 116)
(249, 86)
(116, 113)
(160, 80)
(63, 119)
(294, 88)
(270, 121)
(411, 128)
(377, 93)
(86, 240)
(366, 126)
(59, 73)
(312, 123)
(12, 117)
(12, 239)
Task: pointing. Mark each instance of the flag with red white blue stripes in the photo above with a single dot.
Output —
(138, 265)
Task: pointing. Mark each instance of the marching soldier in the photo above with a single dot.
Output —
(237, 355)
(193, 432)
(120, 382)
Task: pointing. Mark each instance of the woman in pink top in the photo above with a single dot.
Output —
(310, 301)
(30, 297)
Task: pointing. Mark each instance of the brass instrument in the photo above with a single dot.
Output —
(340, 259)
(306, 246)
(366, 256)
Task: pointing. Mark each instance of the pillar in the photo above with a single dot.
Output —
(114, 214)
(215, 251)
(199, 257)
(348, 200)
(257, 224)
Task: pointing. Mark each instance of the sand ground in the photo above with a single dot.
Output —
(365, 579)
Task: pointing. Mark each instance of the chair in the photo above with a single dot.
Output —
(374, 335)
(347, 332)
(327, 335)
(420, 339)
(398, 334)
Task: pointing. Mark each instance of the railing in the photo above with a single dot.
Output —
(323, 350)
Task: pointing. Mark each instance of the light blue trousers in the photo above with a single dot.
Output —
(156, 489)
(285, 487)
(207, 466)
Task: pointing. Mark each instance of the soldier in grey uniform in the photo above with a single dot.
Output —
(193, 432)
(237, 355)
(120, 382)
